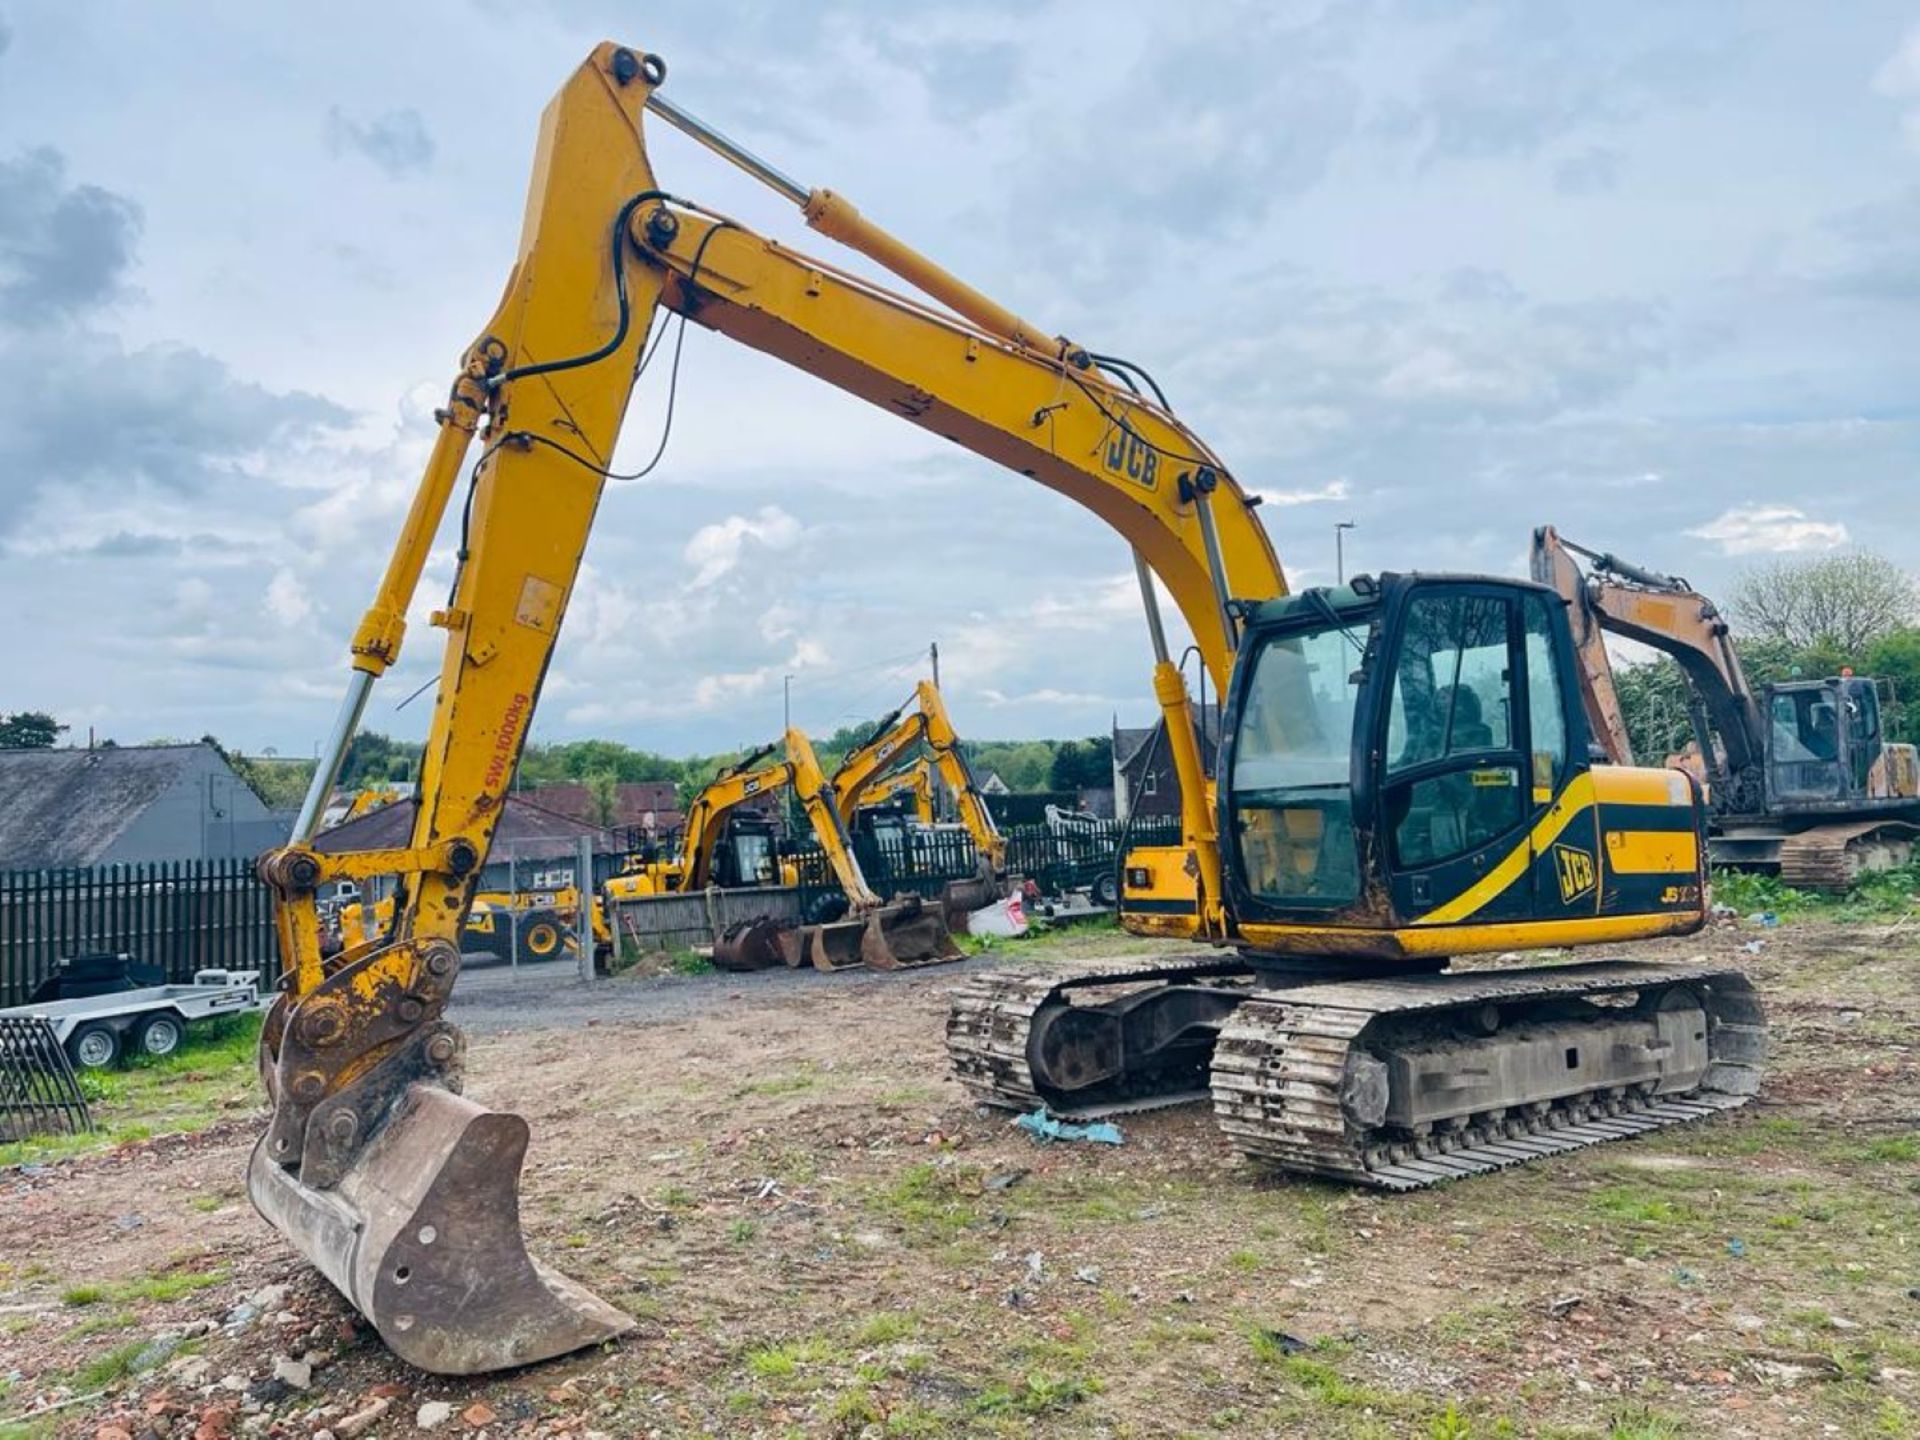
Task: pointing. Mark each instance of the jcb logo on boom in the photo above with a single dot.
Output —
(1129, 455)
(1576, 872)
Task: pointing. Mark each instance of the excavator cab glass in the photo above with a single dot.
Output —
(1805, 741)
(1292, 784)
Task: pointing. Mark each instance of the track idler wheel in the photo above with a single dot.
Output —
(422, 1235)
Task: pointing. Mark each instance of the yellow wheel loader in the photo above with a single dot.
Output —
(1404, 778)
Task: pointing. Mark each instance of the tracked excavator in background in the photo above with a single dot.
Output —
(1800, 779)
(925, 724)
(913, 785)
(714, 851)
(1405, 778)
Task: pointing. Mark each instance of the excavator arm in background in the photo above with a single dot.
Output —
(1616, 597)
(898, 735)
(915, 782)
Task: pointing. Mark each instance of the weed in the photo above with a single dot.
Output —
(1899, 1149)
(159, 1288)
(1038, 1393)
(101, 1324)
(103, 1370)
(741, 1231)
(1641, 1423)
(886, 1328)
(1245, 1261)
(783, 1362)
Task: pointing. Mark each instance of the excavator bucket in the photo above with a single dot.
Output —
(892, 937)
(751, 945)
(422, 1233)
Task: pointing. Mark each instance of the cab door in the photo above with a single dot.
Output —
(1562, 813)
(1454, 793)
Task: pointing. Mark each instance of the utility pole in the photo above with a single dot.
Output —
(1339, 551)
(933, 657)
(786, 703)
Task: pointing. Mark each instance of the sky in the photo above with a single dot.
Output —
(1446, 271)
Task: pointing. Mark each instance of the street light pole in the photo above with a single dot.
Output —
(786, 703)
(1339, 550)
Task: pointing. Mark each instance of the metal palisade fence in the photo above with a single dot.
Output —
(181, 915)
(919, 861)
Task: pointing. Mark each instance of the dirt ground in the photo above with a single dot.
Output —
(819, 1236)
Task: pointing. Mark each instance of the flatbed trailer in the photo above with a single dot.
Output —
(96, 1030)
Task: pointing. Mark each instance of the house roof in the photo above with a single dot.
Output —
(1128, 742)
(635, 802)
(63, 808)
(525, 823)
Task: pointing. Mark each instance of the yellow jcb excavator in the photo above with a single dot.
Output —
(714, 852)
(1801, 780)
(914, 784)
(1404, 778)
(927, 724)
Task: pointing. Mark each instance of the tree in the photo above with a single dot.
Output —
(1653, 702)
(1843, 602)
(1082, 764)
(29, 730)
(603, 790)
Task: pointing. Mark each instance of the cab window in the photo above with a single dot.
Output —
(1546, 705)
(1451, 719)
(1292, 796)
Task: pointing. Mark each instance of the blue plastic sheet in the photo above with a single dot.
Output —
(1043, 1126)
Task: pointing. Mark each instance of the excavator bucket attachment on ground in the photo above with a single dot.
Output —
(893, 937)
(751, 945)
(422, 1234)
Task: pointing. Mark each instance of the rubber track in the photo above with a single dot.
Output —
(1280, 1060)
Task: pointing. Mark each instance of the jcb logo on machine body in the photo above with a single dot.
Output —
(1576, 871)
(1131, 456)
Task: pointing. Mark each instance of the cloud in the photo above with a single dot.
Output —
(396, 141)
(1333, 490)
(287, 599)
(64, 249)
(1770, 529)
(1588, 173)
(1899, 79)
(716, 549)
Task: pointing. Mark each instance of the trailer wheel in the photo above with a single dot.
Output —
(159, 1034)
(541, 936)
(94, 1046)
(1106, 889)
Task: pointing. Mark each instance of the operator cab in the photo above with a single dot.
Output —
(1431, 721)
(1823, 739)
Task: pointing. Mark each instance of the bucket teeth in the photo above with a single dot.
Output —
(422, 1235)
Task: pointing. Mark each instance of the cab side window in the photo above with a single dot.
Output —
(1546, 705)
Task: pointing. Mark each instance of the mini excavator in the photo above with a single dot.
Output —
(1404, 778)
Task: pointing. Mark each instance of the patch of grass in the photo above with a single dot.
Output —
(1245, 1261)
(929, 1198)
(1642, 1423)
(1038, 1392)
(101, 1324)
(1900, 1149)
(161, 1288)
(782, 1084)
(887, 1327)
(1883, 896)
(784, 1362)
(686, 962)
(741, 1231)
(103, 1370)
(211, 1075)
(206, 1204)
(1634, 1203)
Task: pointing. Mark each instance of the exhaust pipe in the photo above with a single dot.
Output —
(403, 1193)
